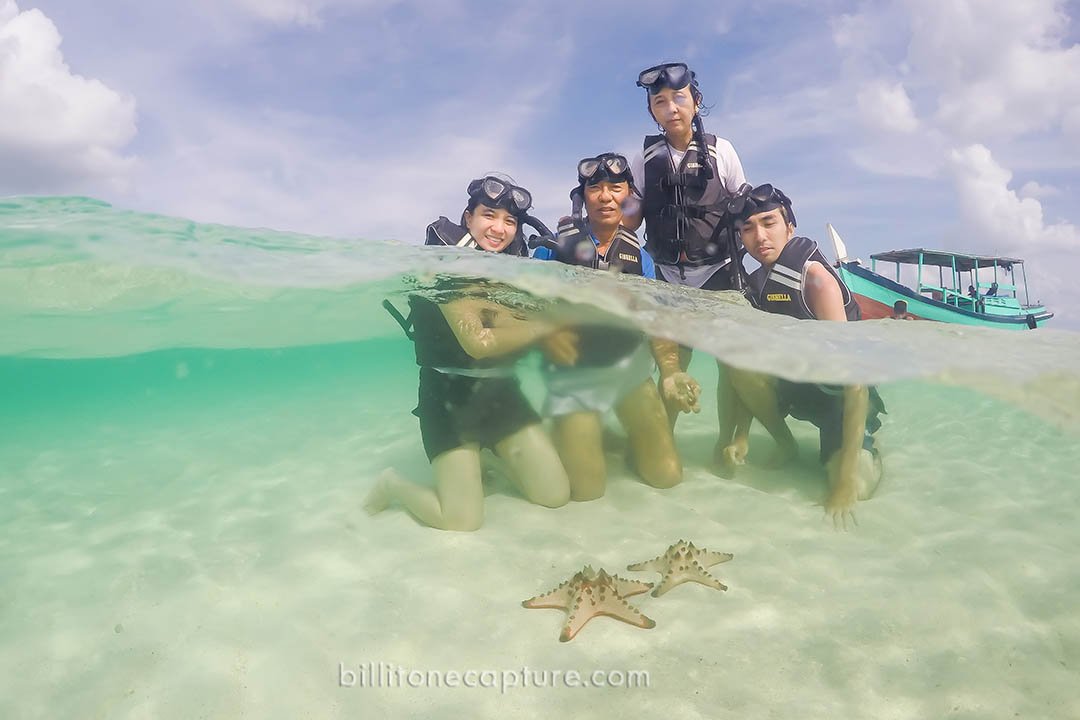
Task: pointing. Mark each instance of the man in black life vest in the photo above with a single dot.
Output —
(594, 367)
(795, 279)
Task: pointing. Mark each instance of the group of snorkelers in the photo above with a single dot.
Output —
(701, 217)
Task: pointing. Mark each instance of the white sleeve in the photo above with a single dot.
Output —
(727, 161)
(637, 169)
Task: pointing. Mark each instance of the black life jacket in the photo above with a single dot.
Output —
(435, 343)
(445, 232)
(601, 345)
(705, 238)
(623, 254)
(780, 288)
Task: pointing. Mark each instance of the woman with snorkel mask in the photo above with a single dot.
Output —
(684, 176)
(469, 396)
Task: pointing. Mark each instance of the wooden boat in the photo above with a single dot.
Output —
(989, 304)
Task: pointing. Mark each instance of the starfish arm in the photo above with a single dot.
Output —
(631, 615)
(578, 617)
(699, 575)
(626, 588)
(710, 558)
(668, 581)
(656, 565)
(557, 598)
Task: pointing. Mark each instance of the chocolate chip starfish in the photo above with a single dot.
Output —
(682, 562)
(588, 594)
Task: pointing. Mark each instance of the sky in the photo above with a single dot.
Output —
(951, 124)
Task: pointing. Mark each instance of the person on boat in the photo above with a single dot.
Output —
(614, 366)
(683, 175)
(469, 396)
(795, 279)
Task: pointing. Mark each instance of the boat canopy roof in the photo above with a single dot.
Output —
(944, 258)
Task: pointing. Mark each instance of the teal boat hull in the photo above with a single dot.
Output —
(877, 295)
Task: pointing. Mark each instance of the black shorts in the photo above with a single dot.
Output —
(457, 409)
(823, 405)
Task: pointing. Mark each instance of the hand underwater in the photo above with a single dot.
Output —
(561, 347)
(680, 387)
(841, 506)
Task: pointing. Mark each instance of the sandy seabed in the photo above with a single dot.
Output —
(215, 562)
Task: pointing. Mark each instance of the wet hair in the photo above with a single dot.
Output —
(781, 208)
(476, 199)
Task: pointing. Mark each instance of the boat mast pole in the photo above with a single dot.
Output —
(920, 275)
(956, 300)
(1027, 295)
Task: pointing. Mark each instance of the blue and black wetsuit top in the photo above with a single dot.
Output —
(602, 345)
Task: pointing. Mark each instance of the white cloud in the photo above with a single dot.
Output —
(886, 106)
(1000, 214)
(1032, 189)
(1070, 125)
(1004, 222)
(304, 13)
(58, 130)
(1001, 69)
(993, 70)
(315, 173)
(284, 12)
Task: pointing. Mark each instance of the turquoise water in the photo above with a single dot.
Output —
(191, 416)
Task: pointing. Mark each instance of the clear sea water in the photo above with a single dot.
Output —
(191, 415)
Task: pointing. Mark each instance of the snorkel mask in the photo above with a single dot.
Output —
(606, 167)
(749, 201)
(495, 192)
(666, 75)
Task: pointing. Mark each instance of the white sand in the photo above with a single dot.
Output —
(216, 563)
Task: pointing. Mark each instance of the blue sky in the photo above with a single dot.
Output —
(941, 123)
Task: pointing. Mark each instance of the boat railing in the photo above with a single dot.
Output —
(947, 295)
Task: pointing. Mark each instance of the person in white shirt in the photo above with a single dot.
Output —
(684, 177)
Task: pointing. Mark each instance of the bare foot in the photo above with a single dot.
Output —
(727, 458)
(784, 454)
(378, 499)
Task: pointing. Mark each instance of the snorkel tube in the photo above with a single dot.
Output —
(545, 238)
(575, 249)
(740, 281)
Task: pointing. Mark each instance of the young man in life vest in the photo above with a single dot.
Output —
(795, 279)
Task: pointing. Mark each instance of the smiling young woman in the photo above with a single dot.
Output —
(469, 397)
